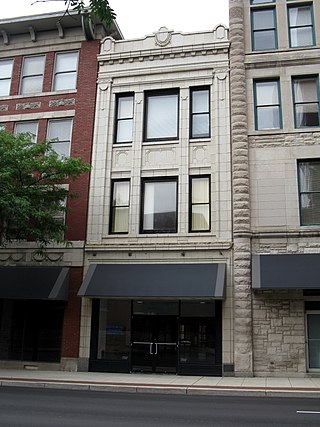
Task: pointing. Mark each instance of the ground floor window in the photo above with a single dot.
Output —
(313, 339)
(156, 336)
(31, 330)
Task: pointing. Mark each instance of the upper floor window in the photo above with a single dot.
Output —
(309, 191)
(27, 127)
(59, 133)
(5, 76)
(32, 74)
(301, 25)
(124, 118)
(306, 101)
(200, 203)
(65, 71)
(159, 206)
(200, 113)
(161, 115)
(267, 104)
(261, 1)
(120, 206)
(264, 30)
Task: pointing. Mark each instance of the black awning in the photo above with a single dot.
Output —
(34, 283)
(176, 281)
(286, 271)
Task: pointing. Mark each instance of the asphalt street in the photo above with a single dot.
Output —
(29, 407)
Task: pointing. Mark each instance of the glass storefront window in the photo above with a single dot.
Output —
(197, 340)
(114, 330)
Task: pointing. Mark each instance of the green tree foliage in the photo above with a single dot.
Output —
(99, 8)
(32, 195)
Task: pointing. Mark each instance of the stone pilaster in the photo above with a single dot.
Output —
(243, 347)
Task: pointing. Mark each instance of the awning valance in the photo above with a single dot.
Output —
(175, 281)
(286, 271)
(45, 283)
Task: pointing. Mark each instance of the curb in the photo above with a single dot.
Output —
(162, 389)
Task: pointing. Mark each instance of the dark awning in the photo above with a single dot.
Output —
(286, 271)
(34, 282)
(176, 281)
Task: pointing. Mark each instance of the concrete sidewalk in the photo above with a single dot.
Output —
(155, 383)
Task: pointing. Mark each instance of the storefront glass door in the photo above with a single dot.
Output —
(154, 343)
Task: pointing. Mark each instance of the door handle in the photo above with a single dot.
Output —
(156, 352)
(150, 348)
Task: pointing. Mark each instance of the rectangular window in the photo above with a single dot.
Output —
(200, 113)
(120, 206)
(267, 104)
(124, 118)
(264, 32)
(159, 206)
(200, 203)
(261, 1)
(309, 191)
(27, 127)
(301, 31)
(5, 76)
(32, 74)
(59, 133)
(161, 115)
(65, 71)
(306, 101)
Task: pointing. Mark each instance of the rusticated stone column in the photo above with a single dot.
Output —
(243, 349)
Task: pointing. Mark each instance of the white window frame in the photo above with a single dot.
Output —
(7, 78)
(64, 72)
(65, 141)
(25, 77)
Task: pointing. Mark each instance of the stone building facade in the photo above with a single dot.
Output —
(158, 290)
(274, 60)
(48, 72)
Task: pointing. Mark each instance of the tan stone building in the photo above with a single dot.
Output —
(158, 290)
(274, 61)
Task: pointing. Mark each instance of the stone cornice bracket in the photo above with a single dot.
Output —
(60, 29)
(87, 26)
(32, 34)
(5, 36)
(163, 36)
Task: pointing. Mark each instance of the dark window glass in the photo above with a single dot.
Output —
(114, 332)
(124, 118)
(267, 105)
(159, 210)
(306, 102)
(264, 35)
(120, 207)
(309, 192)
(161, 117)
(200, 113)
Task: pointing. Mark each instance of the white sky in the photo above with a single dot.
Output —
(137, 18)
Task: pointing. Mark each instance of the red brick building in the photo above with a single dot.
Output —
(48, 73)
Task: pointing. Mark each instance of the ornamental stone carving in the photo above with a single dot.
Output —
(28, 106)
(4, 107)
(62, 102)
(163, 36)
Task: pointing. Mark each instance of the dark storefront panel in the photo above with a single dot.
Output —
(31, 330)
(181, 337)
